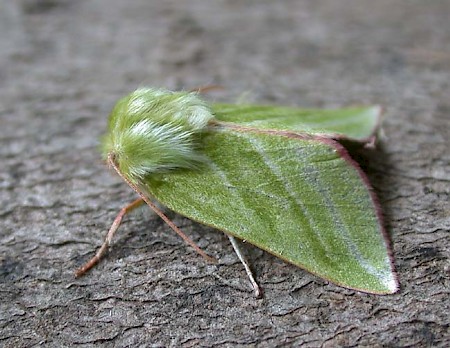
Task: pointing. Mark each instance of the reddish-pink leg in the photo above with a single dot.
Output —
(92, 262)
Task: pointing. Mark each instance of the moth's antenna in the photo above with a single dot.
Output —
(205, 89)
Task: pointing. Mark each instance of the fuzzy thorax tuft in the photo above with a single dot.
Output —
(154, 130)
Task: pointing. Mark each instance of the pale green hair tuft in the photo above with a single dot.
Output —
(155, 130)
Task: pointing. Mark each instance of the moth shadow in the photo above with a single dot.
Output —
(376, 163)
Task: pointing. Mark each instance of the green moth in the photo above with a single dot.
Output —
(275, 177)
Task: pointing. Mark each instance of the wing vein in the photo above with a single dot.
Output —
(274, 168)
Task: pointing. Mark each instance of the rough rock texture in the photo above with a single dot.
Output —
(62, 66)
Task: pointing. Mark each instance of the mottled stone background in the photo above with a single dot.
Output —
(64, 63)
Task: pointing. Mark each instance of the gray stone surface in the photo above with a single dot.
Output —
(62, 66)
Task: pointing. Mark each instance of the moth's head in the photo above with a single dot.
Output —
(154, 130)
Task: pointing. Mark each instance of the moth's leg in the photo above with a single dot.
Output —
(169, 222)
(255, 285)
(152, 206)
(92, 262)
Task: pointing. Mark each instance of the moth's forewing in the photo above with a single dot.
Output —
(351, 123)
(300, 198)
